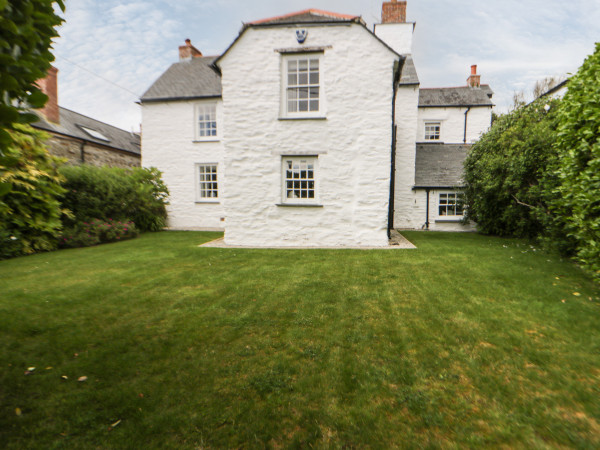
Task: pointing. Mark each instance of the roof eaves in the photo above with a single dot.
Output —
(316, 12)
(177, 99)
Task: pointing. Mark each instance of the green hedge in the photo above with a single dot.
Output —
(110, 193)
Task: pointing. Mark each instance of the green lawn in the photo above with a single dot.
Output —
(468, 341)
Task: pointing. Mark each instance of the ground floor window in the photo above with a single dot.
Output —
(299, 179)
(451, 204)
(208, 187)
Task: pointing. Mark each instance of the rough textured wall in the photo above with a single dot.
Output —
(169, 143)
(70, 149)
(405, 208)
(397, 35)
(353, 142)
(453, 123)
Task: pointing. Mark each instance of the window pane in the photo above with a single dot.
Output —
(303, 93)
(302, 105)
(292, 79)
(314, 105)
(302, 65)
(314, 64)
(292, 66)
(314, 78)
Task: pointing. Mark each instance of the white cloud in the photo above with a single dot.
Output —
(514, 42)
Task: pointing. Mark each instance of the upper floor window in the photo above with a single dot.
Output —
(302, 85)
(206, 117)
(432, 131)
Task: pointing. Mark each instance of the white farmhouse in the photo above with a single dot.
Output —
(311, 130)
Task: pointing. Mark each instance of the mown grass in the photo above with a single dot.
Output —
(468, 341)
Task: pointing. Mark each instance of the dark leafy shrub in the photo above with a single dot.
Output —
(104, 193)
(30, 210)
(575, 202)
(96, 232)
(506, 171)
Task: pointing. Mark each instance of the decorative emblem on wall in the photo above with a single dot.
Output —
(301, 36)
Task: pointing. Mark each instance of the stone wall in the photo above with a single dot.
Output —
(96, 155)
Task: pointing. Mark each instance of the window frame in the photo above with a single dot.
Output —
(198, 183)
(437, 137)
(454, 205)
(285, 86)
(294, 201)
(201, 106)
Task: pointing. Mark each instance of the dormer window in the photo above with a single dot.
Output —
(94, 133)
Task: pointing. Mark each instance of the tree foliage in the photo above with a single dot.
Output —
(576, 200)
(30, 214)
(27, 28)
(506, 171)
(112, 193)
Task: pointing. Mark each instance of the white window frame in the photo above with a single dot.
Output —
(209, 111)
(301, 87)
(432, 135)
(202, 181)
(450, 204)
(304, 182)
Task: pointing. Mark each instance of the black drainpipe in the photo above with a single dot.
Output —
(466, 112)
(393, 159)
(427, 211)
(82, 152)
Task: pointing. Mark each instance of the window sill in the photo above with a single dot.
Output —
(309, 205)
(450, 220)
(213, 202)
(304, 118)
(195, 141)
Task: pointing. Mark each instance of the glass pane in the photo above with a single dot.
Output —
(314, 105)
(314, 64)
(314, 78)
(303, 105)
(314, 93)
(292, 79)
(303, 79)
(302, 65)
(292, 65)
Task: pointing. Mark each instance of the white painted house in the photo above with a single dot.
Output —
(311, 130)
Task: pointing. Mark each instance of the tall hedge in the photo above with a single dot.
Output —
(575, 202)
(104, 193)
(30, 212)
(506, 171)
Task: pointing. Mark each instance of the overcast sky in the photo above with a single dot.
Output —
(111, 51)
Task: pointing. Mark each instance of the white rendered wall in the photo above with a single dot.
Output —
(396, 35)
(453, 123)
(405, 209)
(169, 143)
(353, 143)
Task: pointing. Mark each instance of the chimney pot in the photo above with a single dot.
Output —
(474, 80)
(188, 51)
(393, 12)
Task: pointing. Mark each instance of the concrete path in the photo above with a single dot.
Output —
(397, 242)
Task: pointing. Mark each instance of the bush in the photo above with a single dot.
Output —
(30, 210)
(104, 193)
(97, 232)
(575, 202)
(506, 171)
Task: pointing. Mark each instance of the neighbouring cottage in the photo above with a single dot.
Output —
(311, 130)
(81, 139)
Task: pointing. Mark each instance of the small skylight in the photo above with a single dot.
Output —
(94, 133)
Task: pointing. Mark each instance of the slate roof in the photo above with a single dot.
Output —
(440, 165)
(456, 96)
(409, 72)
(195, 78)
(71, 123)
(306, 16)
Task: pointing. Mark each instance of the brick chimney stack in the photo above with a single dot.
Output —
(188, 51)
(393, 12)
(474, 80)
(49, 86)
